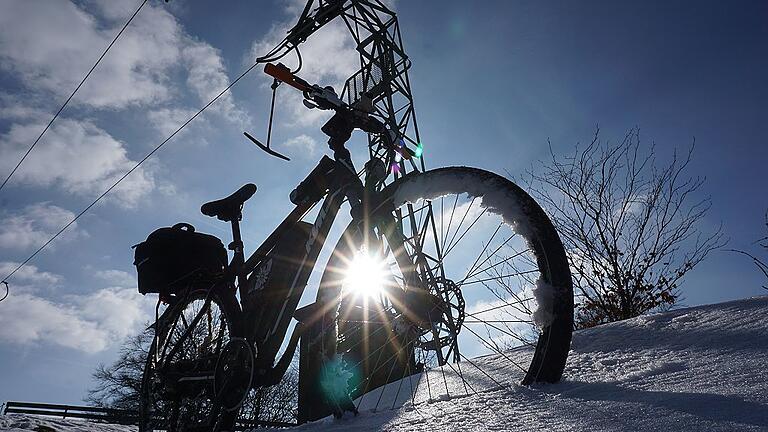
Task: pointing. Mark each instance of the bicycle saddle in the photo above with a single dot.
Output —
(228, 209)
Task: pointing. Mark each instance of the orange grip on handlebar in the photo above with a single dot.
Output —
(282, 73)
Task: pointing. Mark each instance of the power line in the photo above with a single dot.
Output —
(29, 150)
(269, 57)
(109, 189)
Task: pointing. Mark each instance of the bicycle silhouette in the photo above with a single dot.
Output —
(408, 255)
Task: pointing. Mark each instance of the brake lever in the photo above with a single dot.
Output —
(309, 104)
(324, 98)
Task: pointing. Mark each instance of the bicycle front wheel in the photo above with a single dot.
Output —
(497, 278)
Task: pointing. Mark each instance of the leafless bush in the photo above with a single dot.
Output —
(759, 263)
(630, 225)
(119, 384)
(278, 403)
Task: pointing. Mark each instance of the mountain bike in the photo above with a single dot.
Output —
(409, 258)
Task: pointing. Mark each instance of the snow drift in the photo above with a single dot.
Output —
(696, 369)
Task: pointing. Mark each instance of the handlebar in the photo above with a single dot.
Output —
(323, 97)
(326, 98)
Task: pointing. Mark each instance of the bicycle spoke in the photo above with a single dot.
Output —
(450, 221)
(495, 321)
(499, 277)
(506, 304)
(485, 247)
(188, 338)
(461, 375)
(442, 217)
(500, 385)
(453, 245)
(506, 332)
(458, 228)
(498, 351)
(516, 305)
(492, 266)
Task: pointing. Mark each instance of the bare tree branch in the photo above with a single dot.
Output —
(629, 223)
(759, 263)
(119, 384)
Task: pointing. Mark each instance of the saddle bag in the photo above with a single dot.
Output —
(173, 255)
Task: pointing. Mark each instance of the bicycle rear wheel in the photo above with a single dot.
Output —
(498, 282)
(177, 392)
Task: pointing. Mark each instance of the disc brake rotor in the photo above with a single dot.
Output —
(444, 317)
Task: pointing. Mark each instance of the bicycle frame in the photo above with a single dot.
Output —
(340, 182)
(331, 203)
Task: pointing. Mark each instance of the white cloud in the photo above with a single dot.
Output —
(154, 65)
(29, 274)
(503, 310)
(504, 317)
(51, 45)
(117, 278)
(89, 323)
(34, 225)
(114, 10)
(118, 312)
(207, 77)
(75, 156)
(303, 145)
(167, 120)
(16, 108)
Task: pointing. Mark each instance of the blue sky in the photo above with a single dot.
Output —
(492, 82)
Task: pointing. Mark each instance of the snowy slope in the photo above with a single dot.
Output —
(696, 369)
(18, 423)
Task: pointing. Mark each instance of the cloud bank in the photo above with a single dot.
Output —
(89, 323)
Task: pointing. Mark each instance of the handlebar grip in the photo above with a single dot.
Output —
(282, 73)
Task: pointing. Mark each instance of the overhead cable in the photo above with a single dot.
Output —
(109, 189)
(29, 150)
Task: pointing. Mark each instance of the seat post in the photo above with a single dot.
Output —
(237, 247)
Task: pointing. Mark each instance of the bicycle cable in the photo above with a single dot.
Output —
(301, 61)
(55, 116)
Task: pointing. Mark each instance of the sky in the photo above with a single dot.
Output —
(492, 83)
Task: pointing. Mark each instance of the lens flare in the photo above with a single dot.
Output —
(419, 151)
(366, 275)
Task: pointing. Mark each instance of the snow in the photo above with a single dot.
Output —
(695, 369)
(19, 423)
(543, 294)
(496, 196)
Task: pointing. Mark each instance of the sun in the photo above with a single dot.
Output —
(366, 275)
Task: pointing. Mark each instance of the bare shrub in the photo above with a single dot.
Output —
(759, 263)
(630, 225)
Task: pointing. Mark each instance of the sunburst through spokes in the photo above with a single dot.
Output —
(470, 251)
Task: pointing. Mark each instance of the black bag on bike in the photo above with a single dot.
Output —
(170, 256)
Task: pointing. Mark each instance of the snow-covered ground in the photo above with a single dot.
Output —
(696, 369)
